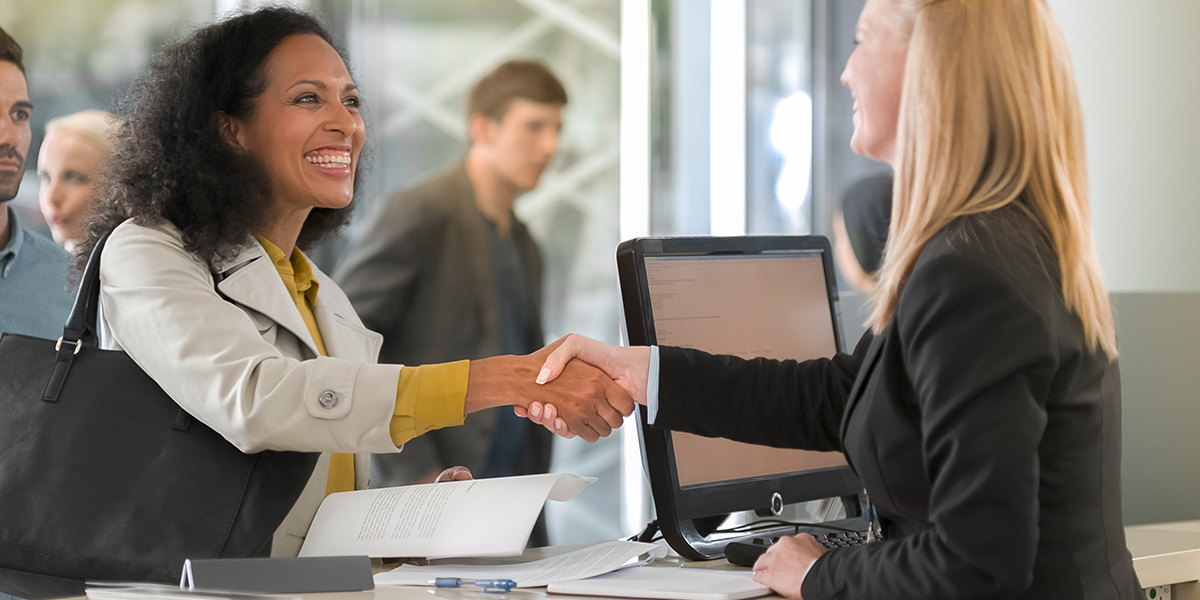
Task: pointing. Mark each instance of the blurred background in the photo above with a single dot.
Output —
(716, 117)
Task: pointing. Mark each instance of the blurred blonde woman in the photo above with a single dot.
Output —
(69, 162)
(982, 412)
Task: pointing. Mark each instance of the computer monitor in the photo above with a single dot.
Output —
(754, 296)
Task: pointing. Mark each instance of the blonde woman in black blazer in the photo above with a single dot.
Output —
(983, 413)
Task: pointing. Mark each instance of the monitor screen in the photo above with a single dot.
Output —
(749, 305)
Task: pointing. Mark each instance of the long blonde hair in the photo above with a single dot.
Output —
(990, 116)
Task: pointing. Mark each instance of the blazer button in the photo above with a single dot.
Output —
(328, 399)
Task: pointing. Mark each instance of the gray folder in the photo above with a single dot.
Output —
(280, 575)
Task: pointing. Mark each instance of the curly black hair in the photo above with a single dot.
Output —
(170, 161)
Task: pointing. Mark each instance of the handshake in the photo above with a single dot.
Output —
(575, 386)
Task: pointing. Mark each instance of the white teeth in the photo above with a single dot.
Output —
(330, 160)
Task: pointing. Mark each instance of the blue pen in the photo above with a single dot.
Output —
(492, 586)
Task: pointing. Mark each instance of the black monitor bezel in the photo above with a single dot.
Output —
(676, 503)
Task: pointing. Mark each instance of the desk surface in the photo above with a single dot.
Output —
(1165, 553)
(419, 593)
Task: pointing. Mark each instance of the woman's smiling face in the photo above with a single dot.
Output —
(305, 129)
(875, 76)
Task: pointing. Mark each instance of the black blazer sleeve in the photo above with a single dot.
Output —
(981, 362)
(785, 404)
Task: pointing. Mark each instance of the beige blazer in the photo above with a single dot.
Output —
(229, 346)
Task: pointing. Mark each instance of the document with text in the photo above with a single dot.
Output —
(483, 517)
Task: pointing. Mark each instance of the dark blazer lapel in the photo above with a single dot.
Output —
(863, 373)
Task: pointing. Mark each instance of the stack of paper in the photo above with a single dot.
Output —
(588, 562)
(667, 582)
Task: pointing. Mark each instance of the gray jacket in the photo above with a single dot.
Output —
(418, 270)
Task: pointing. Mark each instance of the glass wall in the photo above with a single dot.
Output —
(779, 117)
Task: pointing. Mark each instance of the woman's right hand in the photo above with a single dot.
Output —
(629, 367)
(454, 474)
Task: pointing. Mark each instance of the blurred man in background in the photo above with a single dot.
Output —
(445, 271)
(33, 270)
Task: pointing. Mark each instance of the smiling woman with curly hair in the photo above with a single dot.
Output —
(242, 144)
(174, 164)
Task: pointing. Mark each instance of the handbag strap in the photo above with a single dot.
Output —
(81, 324)
(81, 328)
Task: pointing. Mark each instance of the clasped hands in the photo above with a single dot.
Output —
(567, 365)
(588, 397)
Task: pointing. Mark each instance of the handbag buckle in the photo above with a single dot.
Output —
(58, 345)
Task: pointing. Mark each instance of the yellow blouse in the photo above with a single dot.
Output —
(428, 397)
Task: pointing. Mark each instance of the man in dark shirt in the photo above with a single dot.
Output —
(445, 271)
(33, 269)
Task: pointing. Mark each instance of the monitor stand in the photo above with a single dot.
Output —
(696, 539)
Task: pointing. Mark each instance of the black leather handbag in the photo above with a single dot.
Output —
(104, 477)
